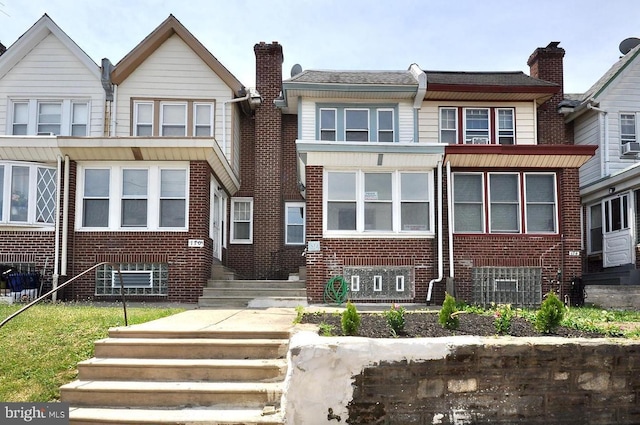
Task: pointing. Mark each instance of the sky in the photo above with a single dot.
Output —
(442, 35)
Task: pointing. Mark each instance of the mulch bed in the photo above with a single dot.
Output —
(426, 325)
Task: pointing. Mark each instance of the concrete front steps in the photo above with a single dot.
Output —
(254, 293)
(196, 377)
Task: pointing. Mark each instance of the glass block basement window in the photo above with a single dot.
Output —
(138, 279)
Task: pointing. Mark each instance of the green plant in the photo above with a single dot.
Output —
(550, 315)
(502, 318)
(448, 317)
(350, 320)
(299, 315)
(395, 318)
(325, 329)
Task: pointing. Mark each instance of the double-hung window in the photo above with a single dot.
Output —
(27, 193)
(356, 125)
(20, 118)
(242, 220)
(476, 129)
(506, 126)
(505, 199)
(448, 125)
(119, 197)
(390, 202)
(385, 125)
(203, 119)
(627, 128)
(174, 119)
(295, 225)
(595, 228)
(79, 118)
(328, 123)
(49, 118)
(143, 119)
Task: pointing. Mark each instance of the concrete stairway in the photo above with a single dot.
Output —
(253, 293)
(170, 376)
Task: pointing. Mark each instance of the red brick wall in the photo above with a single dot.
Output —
(189, 268)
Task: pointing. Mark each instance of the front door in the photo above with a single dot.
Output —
(217, 219)
(617, 243)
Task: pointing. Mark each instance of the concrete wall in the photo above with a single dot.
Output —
(462, 380)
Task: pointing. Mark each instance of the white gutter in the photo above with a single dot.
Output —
(421, 91)
(65, 217)
(56, 261)
(450, 218)
(604, 141)
(440, 255)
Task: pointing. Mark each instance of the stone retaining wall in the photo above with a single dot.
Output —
(462, 380)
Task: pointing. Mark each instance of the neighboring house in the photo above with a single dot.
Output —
(413, 179)
(607, 116)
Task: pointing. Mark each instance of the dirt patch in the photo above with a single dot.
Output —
(426, 325)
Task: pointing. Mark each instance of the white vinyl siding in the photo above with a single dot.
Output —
(67, 80)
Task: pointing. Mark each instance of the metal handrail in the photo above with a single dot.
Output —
(37, 300)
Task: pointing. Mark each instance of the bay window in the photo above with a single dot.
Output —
(27, 194)
(117, 197)
(390, 202)
(504, 204)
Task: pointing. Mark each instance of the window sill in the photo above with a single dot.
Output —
(377, 235)
(131, 229)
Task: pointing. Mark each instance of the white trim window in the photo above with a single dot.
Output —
(49, 118)
(476, 126)
(119, 197)
(499, 197)
(242, 220)
(378, 203)
(328, 124)
(627, 128)
(143, 119)
(28, 194)
(595, 235)
(44, 117)
(385, 125)
(505, 123)
(203, 119)
(20, 118)
(449, 125)
(173, 119)
(356, 125)
(294, 223)
(79, 118)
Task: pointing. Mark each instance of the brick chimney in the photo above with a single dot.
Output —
(2, 49)
(546, 63)
(268, 229)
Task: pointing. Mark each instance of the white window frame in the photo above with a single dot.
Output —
(590, 228)
(400, 283)
(183, 124)
(14, 123)
(73, 123)
(518, 203)
(136, 117)
(85, 197)
(393, 124)
(355, 283)
(161, 197)
(115, 195)
(554, 203)
(396, 230)
(508, 132)
(138, 197)
(628, 137)
(33, 108)
(377, 283)
(322, 128)
(288, 205)
(469, 139)
(59, 123)
(359, 130)
(442, 127)
(235, 240)
(32, 197)
(197, 125)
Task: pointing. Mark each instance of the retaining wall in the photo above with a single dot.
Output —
(462, 380)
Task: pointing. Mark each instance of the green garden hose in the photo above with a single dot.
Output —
(336, 293)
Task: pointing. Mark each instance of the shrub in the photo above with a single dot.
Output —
(395, 318)
(550, 315)
(502, 319)
(447, 317)
(325, 329)
(350, 320)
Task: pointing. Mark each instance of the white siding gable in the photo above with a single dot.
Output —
(51, 71)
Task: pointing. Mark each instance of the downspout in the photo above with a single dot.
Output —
(65, 217)
(440, 255)
(604, 144)
(450, 219)
(56, 261)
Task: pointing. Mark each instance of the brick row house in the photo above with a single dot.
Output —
(404, 183)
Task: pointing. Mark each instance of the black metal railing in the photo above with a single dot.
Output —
(68, 282)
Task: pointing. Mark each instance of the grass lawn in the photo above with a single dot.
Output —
(39, 349)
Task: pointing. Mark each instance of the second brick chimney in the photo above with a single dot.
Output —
(546, 63)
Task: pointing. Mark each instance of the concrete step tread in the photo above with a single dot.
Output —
(168, 386)
(258, 284)
(182, 363)
(209, 416)
(180, 334)
(192, 341)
